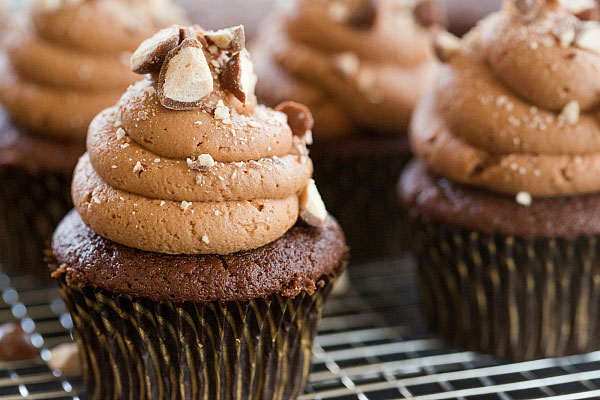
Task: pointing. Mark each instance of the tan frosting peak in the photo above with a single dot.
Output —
(217, 177)
(71, 60)
(516, 106)
(356, 63)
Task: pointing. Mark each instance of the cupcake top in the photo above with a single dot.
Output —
(358, 64)
(71, 60)
(515, 107)
(187, 162)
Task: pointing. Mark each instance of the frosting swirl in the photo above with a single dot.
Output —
(214, 179)
(72, 60)
(515, 108)
(354, 70)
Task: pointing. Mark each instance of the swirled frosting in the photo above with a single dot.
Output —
(355, 71)
(218, 178)
(515, 108)
(71, 60)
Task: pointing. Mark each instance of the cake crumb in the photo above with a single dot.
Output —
(524, 198)
(205, 239)
(222, 112)
(121, 133)
(185, 205)
(570, 113)
(203, 162)
(138, 168)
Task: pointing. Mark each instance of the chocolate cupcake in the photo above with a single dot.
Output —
(360, 66)
(67, 63)
(185, 267)
(504, 192)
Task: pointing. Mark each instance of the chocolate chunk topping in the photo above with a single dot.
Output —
(238, 76)
(230, 39)
(300, 118)
(151, 54)
(185, 77)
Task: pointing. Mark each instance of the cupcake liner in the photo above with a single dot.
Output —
(31, 205)
(139, 349)
(513, 298)
(359, 188)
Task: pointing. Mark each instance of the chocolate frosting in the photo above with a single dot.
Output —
(351, 76)
(516, 109)
(214, 179)
(289, 265)
(70, 62)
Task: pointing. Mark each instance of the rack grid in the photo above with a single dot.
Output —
(373, 344)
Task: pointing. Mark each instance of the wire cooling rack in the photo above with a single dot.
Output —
(373, 344)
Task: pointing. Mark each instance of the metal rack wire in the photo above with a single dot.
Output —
(373, 344)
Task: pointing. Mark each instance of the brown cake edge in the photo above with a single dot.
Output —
(439, 200)
(292, 264)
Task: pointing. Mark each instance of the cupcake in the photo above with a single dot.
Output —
(199, 254)
(360, 66)
(504, 191)
(67, 63)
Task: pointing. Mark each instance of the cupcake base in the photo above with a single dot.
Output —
(513, 298)
(140, 349)
(519, 283)
(356, 178)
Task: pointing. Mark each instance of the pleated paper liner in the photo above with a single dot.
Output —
(31, 205)
(513, 298)
(139, 349)
(357, 180)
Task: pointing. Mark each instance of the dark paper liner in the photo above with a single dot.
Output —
(513, 298)
(358, 184)
(31, 205)
(139, 349)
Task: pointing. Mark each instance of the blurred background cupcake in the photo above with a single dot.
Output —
(505, 188)
(360, 66)
(59, 68)
(200, 253)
